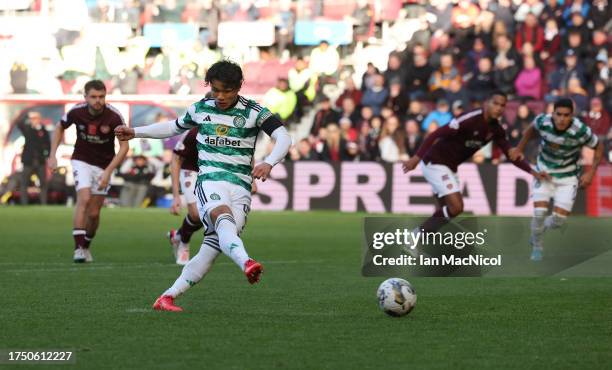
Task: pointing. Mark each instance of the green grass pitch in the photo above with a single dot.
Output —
(312, 309)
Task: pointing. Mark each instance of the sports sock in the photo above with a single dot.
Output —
(197, 267)
(79, 238)
(229, 241)
(88, 239)
(188, 228)
(537, 226)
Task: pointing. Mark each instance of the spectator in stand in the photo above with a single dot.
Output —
(395, 71)
(578, 94)
(553, 9)
(463, 16)
(559, 78)
(552, 42)
(392, 141)
(417, 77)
(527, 8)
(442, 10)
(137, 173)
(580, 7)
(504, 14)
(347, 131)
(603, 91)
(335, 146)
(578, 23)
(441, 115)
(324, 60)
(507, 65)
(528, 83)
(530, 32)
(457, 93)
(601, 13)
(483, 82)
(34, 156)
(365, 115)
(325, 115)
(478, 51)
(349, 111)
(440, 80)
(19, 78)
(281, 100)
(416, 111)
(350, 91)
(576, 43)
(304, 151)
(367, 143)
(367, 80)
(376, 96)
(362, 19)
(300, 80)
(457, 108)
(598, 119)
(414, 137)
(440, 45)
(398, 100)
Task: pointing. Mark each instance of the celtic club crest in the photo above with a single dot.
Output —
(239, 122)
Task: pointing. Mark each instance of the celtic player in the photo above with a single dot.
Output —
(228, 125)
(562, 138)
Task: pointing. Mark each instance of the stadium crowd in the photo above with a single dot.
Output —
(411, 67)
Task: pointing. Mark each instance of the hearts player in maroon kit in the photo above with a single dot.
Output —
(93, 160)
(449, 146)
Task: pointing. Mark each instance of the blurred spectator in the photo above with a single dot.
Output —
(414, 137)
(440, 80)
(281, 100)
(553, 10)
(463, 16)
(347, 131)
(349, 111)
(285, 25)
(576, 43)
(324, 60)
(137, 174)
(367, 80)
(576, 7)
(552, 41)
(528, 83)
(598, 119)
(601, 13)
(19, 78)
(392, 141)
(304, 151)
(376, 95)
(473, 56)
(398, 99)
(395, 71)
(483, 82)
(335, 147)
(559, 78)
(457, 93)
(457, 108)
(350, 92)
(441, 10)
(507, 65)
(367, 142)
(362, 18)
(527, 8)
(441, 115)
(325, 115)
(578, 94)
(504, 13)
(300, 80)
(530, 32)
(416, 111)
(417, 77)
(34, 155)
(524, 118)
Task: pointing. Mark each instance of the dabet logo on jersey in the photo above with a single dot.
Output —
(221, 141)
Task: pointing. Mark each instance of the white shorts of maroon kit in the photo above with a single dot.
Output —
(441, 178)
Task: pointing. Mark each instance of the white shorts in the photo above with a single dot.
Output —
(212, 194)
(87, 176)
(562, 191)
(188, 181)
(441, 178)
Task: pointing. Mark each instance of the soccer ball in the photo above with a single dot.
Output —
(396, 297)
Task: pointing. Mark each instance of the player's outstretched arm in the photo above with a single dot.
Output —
(58, 135)
(160, 130)
(279, 151)
(587, 176)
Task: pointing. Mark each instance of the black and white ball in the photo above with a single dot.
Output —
(396, 297)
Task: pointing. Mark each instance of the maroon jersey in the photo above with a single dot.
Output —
(457, 142)
(187, 149)
(95, 143)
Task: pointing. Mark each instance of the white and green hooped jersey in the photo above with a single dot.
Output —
(560, 151)
(226, 139)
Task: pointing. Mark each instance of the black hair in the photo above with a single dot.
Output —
(226, 72)
(564, 103)
(95, 85)
(498, 93)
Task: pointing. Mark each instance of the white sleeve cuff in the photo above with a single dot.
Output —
(281, 147)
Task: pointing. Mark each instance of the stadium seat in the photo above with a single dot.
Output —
(153, 87)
